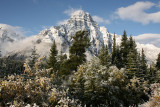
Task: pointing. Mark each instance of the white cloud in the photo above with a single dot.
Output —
(35, 1)
(148, 38)
(136, 12)
(71, 10)
(14, 29)
(101, 20)
(62, 22)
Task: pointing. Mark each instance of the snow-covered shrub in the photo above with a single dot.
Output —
(33, 88)
(155, 96)
(97, 85)
(91, 84)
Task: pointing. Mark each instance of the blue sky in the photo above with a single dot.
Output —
(135, 16)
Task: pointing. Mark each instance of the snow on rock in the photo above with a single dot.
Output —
(150, 51)
(107, 37)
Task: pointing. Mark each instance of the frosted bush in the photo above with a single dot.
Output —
(34, 88)
(155, 96)
(97, 85)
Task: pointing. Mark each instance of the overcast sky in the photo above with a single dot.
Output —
(139, 18)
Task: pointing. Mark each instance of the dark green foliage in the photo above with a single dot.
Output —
(114, 50)
(0, 54)
(33, 57)
(152, 74)
(104, 56)
(158, 69)
(124, 48)
(143, 66)
(78, 49)
(76, 54)
(52, 61)
(62, 71)
(132, 59)
(118, 58)
(8, 67)
(158, 62)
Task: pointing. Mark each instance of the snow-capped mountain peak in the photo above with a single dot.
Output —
(63, 34)
(79, 14)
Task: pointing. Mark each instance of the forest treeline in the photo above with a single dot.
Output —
(121, 78)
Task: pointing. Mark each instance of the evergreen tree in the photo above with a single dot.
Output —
(158, 62)
(0, 54)
(151, 74)
(33, 57)
(114, 50)
(78, 49)
(52, 61)
(118, 58)
(124, 48)
(132, 58)
(104, 56)
(62, 58)
(62, 63)
(143, 66)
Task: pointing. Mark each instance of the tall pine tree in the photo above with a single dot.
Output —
(124, 49)
(152, 74)
(114, 50)
(143, 66)
(158, 62)
(78, 49)
(132, 59)
(104, 56)
(52, 61)
(118, 58)
(33, 57)
(76, 54)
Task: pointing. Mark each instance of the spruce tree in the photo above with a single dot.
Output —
(132, 58)
(62, 63)
(114, 50)
(78, 49)
(118, 58)
(0, 54)
(158, 62)
(33, 57)
(143, 66)
(151, 74)
(124, 48)
(52, 61)
(104, 56)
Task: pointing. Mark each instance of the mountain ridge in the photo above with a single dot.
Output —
(63, 34)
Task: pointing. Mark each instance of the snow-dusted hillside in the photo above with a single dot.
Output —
(63, 34)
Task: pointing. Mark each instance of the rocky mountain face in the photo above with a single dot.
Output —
(63, 34)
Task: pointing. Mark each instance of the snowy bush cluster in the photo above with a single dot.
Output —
(155, 96)
(95, 85)
(34, 88)
(92, 85)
